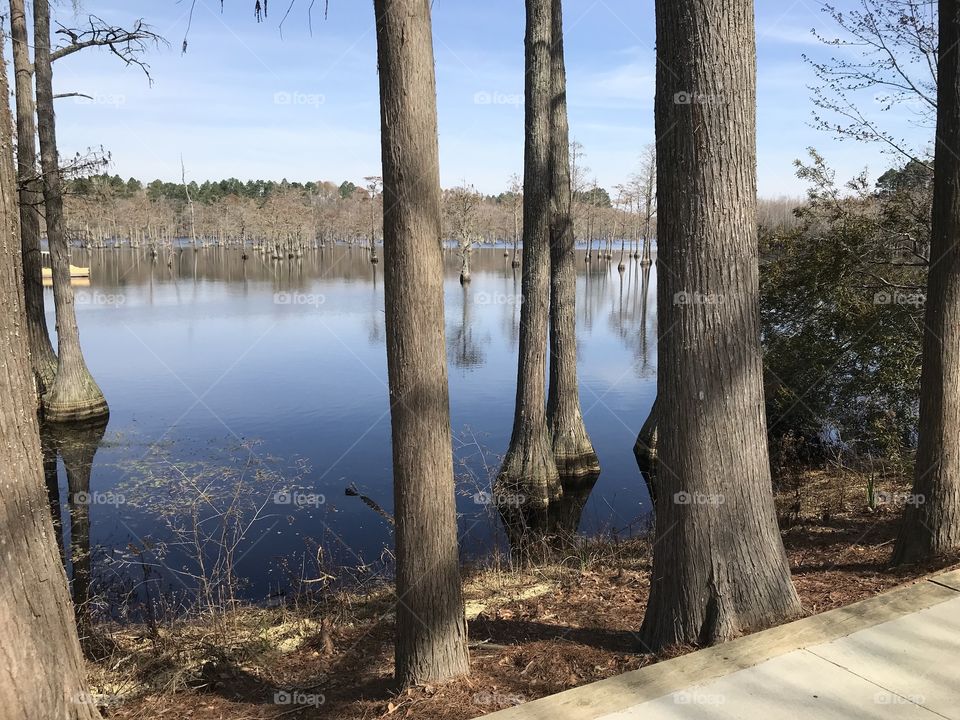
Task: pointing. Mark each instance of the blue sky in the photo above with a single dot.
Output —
(246, 102)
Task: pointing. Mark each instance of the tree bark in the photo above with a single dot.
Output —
(719, 566)
(572, 449)
(431, 632)
(529, 469)
(931, 521)
(74, 395)
(41, 669)
(645, 451)
(42, 356)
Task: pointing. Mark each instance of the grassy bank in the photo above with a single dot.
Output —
(534, 631)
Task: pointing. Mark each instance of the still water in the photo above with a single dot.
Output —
(218, 368)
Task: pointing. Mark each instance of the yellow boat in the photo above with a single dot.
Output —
(75, 272)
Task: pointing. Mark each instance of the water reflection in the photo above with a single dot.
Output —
(77, 445)
(206, 349)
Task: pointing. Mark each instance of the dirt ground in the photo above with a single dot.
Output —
(532, 633)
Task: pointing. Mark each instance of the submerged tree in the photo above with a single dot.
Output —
(719, 567)
(931, 526)
(42, 356)
(43, 667)
(431, 632)
(74, 394)
(529, 468)
(572, 449)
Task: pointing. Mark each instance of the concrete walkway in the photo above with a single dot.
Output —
(896, 655)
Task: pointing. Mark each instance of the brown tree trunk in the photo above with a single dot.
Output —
(719, 566)
(529, 469)
(572, 449)
(645, 451)
(931, 522)
(42, 357)
(74, 394)
(41, 670)
(431, 632)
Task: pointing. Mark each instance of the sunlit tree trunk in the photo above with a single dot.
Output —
(74, 394)
(931, 522)
(42, 357)
(719, 567)
(431, 633)
(529, 468)
(572, 449)
(41, 669)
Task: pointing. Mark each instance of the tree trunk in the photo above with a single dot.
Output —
(74, 394)
(645, 451)
(719, 566)
(572, 449)
(931, 523)
(41, 670)
(42, 357)
(529, 469)
(431, 632)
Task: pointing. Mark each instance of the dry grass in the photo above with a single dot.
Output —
(533, 631)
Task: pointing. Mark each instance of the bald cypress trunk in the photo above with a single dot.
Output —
(572, 449)
(42, 357)
(431, 632)
(529, 468)
(41, 670)
(74, 394)
(719, 566)
(931, 525)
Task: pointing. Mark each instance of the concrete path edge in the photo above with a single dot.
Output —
(594, 700)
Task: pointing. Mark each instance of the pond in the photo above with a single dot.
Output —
(218, 367)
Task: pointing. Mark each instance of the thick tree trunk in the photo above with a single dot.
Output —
(41, 670)
(529, 469)
(42, 357)
(74, 394)
(931, 523)
(719, 566)
(572, 449)
(431, 634)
